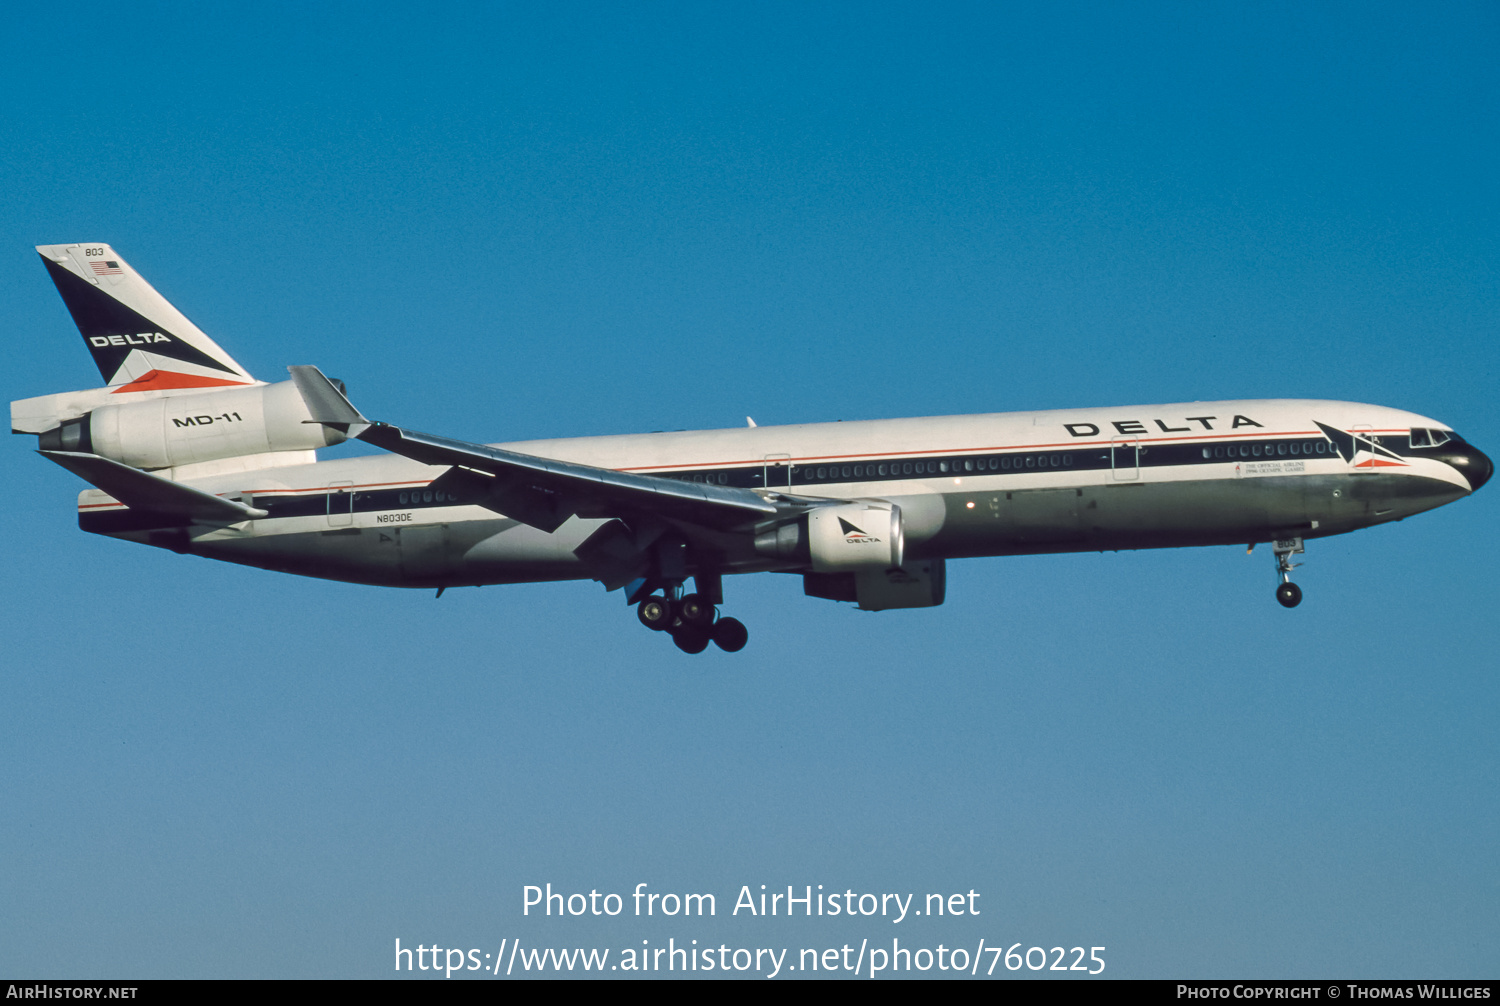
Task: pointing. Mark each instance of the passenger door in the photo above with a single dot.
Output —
(1125, 458)
(776, 472)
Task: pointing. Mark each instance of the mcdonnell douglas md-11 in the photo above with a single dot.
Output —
(188, 452)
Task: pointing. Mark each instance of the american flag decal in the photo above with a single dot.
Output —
(106, 268)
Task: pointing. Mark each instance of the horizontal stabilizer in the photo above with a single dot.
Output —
(143, 491)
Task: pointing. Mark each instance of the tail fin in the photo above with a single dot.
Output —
(139, 341)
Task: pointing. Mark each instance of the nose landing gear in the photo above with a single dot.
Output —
(1288, 594)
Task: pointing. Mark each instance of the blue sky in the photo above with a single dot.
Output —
(500, 222)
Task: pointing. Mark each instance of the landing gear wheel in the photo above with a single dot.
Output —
(655, 612)
(690, 640)
(1289, 594)
(731, 635)
(695, 610)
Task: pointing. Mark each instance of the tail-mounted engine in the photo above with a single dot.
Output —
(186, 429)
(844, 538)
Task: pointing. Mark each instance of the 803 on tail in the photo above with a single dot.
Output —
(187, 451)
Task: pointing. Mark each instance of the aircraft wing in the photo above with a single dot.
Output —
(537, 491)
(143, 491)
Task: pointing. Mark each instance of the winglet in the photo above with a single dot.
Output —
(326, 403)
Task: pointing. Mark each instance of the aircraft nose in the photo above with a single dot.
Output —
(1473, 463)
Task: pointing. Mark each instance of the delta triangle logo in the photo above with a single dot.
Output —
(1360, 450)
(849, 529)
(853, 535)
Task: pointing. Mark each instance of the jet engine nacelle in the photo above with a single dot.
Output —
(921, 583)
(842, 538)
(187, 429)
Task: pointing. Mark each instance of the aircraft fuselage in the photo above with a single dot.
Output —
(1155, 476)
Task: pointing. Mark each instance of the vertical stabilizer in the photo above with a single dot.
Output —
(139, 341)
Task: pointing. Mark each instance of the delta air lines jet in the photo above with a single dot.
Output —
(186, 451)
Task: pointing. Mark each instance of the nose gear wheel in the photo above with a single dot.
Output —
(1288, 594)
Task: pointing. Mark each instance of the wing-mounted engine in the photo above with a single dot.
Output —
(839, 538)
(187, 429)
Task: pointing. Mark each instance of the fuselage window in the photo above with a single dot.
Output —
(427, 496)
(942, 466)
(404, 498)
(1255, 449)
(1207, 453)
(882, 469)
(1068, 460)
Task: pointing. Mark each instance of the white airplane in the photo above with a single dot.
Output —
(188, 452)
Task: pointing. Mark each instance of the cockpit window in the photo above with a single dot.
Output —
(1430, 438)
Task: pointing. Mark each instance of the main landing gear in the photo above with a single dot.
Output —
(1288, 594)
(692, 621)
